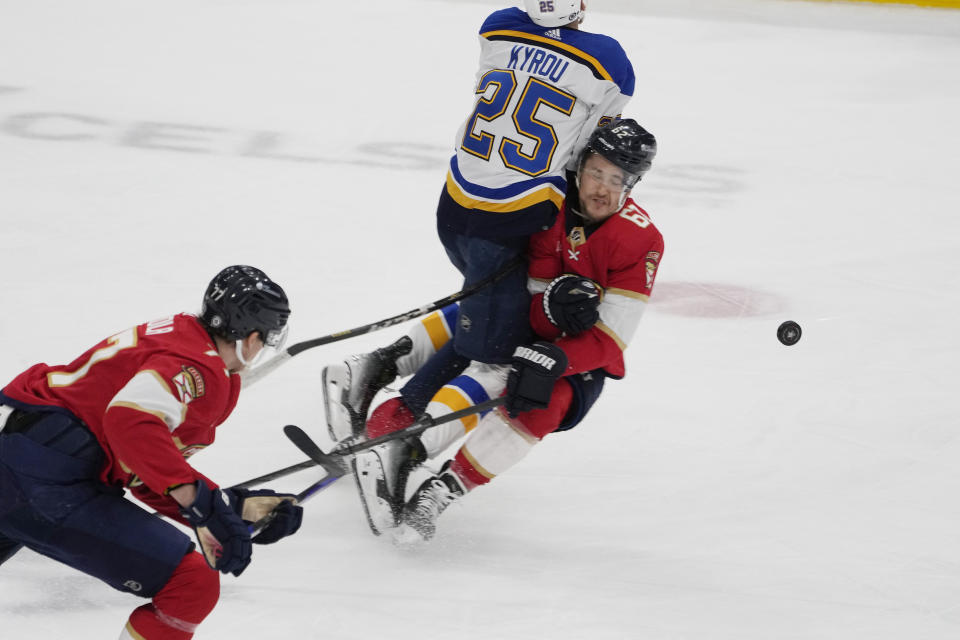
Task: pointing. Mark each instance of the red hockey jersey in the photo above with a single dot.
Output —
(621, 255)
(153, 396)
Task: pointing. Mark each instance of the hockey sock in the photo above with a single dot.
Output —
(494, 446)
(428, 336)
(388, 417)
(477, 384)
(181, 605)
(499, 442)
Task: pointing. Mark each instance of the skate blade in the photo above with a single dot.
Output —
(335, 382)
(378, 511)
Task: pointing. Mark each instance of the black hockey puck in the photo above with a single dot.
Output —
(789, 333)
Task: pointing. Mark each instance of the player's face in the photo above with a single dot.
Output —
(601, 185)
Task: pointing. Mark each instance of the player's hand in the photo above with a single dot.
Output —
(571, 303)
(254, 504)
(533, 372)
(222, 534)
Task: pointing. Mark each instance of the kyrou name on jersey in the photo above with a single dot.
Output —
(537, 61)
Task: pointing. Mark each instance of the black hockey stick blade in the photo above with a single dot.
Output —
(298, 437)
(268, 366)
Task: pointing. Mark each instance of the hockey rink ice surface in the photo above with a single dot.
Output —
(730, 488)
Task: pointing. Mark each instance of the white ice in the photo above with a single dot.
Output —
(730, 488)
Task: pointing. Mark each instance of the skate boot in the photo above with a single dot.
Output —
(349, 387)
(381, 474)
(418, 521)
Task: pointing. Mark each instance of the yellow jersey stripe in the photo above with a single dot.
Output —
(546, 193)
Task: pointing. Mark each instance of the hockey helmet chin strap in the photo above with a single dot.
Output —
(271, 346)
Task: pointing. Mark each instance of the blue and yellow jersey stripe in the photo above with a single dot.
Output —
(511, 198)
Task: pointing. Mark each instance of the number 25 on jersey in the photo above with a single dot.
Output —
(536, 93)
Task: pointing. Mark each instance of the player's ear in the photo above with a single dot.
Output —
(252, 341)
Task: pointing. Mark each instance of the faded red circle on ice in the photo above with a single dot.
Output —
(713, 300)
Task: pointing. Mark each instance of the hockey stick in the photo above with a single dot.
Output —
(348, 449)
(300, 498)
(273, 475)
(303, 442)
(334, 467)
(274, 362)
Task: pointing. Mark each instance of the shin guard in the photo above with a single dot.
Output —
(188, 597)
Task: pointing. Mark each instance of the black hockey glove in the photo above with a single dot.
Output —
(222, 534)
(533, 372)
(254, 504)
(571, 303)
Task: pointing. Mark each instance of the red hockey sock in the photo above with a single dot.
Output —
(469, 475)
(188, 597)
(499, 442)
(390, 416)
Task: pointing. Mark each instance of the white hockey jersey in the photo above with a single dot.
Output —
(540, 93)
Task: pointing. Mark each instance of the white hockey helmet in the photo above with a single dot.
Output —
(554, 13)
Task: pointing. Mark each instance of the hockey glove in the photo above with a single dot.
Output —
(258, 503)
(533, 372)
(571, 303)
(222, 534)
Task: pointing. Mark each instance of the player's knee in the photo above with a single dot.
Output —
(180, 606)
(540, 422)
(189, 596)
(198, 583)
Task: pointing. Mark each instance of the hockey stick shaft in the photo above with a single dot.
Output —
(273, 475)
(268, 366)
(300, 498)
(418, 427)
(413, 429)
(334, 469)
(311, 449)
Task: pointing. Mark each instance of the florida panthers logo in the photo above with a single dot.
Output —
(189, 384)
(651, 261)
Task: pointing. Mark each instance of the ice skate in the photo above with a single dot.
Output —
(418, 520)
(349, 387)
(381, 475)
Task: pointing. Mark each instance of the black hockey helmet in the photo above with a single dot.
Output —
(626, 144)
(241, 300)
